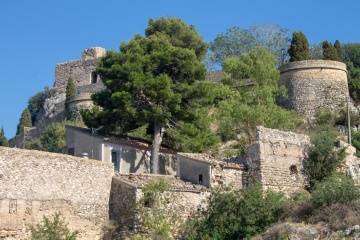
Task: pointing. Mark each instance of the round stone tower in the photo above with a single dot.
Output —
(314, 85)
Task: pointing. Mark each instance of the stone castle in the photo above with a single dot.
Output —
(89, 193)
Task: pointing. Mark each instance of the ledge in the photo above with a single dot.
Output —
(312, 64)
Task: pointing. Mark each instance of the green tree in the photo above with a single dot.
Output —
(35, 102)
(237, 214)
(53, 139)
(24, 121)
(152, 80)
(239, 113)
(70, 92)
(237, 41)
(323, 159)
(329, 51)
(339, 51)
(3, 140)
(336, 188)
(352, 53)
(55, 229)
(316, 51)
(299, 48)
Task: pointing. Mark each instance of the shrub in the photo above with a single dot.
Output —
(236, 214)
(55, 230)
(334, 189)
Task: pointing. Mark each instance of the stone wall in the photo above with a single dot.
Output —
(314, 85)
(277, 159)
(34, 183)
(82, 71)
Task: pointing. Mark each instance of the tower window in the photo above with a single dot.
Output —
(94, 77)
(200, 178)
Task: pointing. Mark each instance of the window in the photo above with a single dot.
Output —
(94, 77)
(200, 178)
(114, 160)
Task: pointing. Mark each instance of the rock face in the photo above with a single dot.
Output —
(314, 85)
(34, 183)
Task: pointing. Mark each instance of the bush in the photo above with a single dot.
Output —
(55, 230)
(236, 214)
(335, 189)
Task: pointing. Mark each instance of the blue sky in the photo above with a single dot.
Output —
(37, 34)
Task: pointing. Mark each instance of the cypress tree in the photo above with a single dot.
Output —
(329, 51)
(70, 92)
(3, 140)
(24, 121)
(339, 51)
(299, 48)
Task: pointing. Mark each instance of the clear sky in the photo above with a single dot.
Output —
(38, 34)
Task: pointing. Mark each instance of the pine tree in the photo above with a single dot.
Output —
(339, 51)
(299, 48)
(70, 92)
(24, 121)
(3, 140)
(329, 51)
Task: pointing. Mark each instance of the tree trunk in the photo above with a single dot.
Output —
(156, 147)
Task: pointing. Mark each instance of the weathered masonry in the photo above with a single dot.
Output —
(314, 85)
(82, 71)
(34, 183)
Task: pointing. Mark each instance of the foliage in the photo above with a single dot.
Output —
(329, 51)
(33, 144)
(323, 159)
(352, 53)
(299, 48)
(70, 92)
(3, 140)
(237, 41)
(158, 212)
(153, 80)
(55, 229)
(336, 188)
(242, 108)
(53, 139)
(24, 121)
(339, 51)
(353, 81)
(35, 102)
(236, 214)
(316, 51)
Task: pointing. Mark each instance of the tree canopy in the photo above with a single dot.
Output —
(70, 92)
(3, 140)
(299, 48)
(329, 51)
(153, 80)
(24, 121)
(237, 41)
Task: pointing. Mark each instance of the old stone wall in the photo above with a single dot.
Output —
(82, 71)
(34, 183)
(277, 159)
(314, 85)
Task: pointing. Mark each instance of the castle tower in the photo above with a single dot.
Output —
(314, 85)
(82, 71)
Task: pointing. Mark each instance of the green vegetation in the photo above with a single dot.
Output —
(236, 214)
(53, 138)
(299, 48)
(153, 80)
(35, 102)
(329, 51)
(55, 229)
(3, 140)
(70, 92)
(24, 121)
(158, 213)
(339, 51)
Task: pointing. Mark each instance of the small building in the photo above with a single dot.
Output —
(210, 172)
(128, 155)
